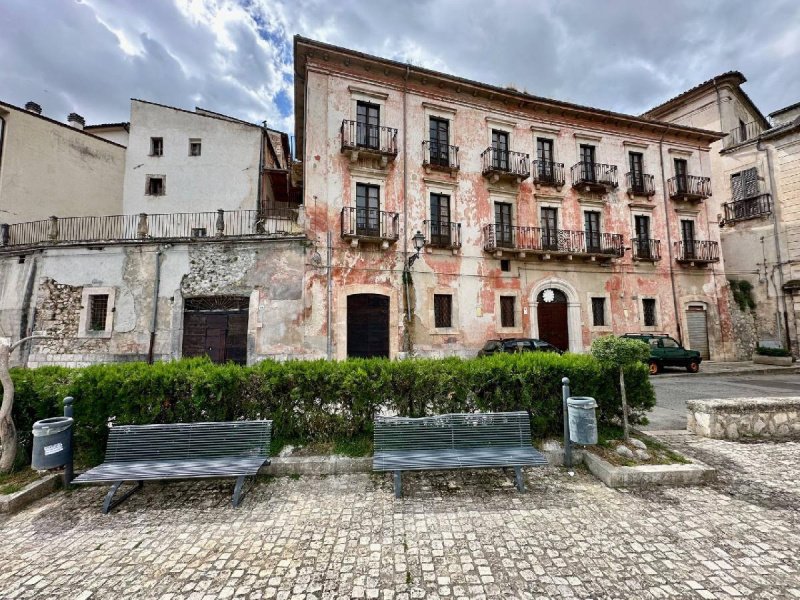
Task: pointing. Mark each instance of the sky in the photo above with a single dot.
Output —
(92, 56)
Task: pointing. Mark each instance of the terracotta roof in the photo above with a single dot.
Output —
(59, 123)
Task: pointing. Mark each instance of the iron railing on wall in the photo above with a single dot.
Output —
(375, 138)
(742, 134)
(539, 239)
(548, 172)
(748, 208)
(646, 248)
(592, 173)
(690, 186)
(495, 160)
(640, 184)
(439, 155)
(443, 234)
(370, 223)
(697, 251)
(111, 228)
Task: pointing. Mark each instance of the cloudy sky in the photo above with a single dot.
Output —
(91, 56)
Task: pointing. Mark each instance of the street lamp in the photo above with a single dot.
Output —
(419, 244)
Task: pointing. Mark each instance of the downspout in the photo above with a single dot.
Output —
(782, 323)
(2, 141)
(669, 236)
(154, 320)
(329, 307)
(260, 184)
(406, 272)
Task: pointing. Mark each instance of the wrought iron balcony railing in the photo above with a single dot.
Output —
(540, 240)
(689, 187)
(640, 184)
(370, 224)
(442, 234)
(646, 249)
(595, 176)
(505, 163)
(439, 156)
(373, 139)
(748, 208)
(697, 251)
(142, 227)
(547, 172)
(744, 133)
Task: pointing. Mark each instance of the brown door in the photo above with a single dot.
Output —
(367, 326)
(216, 327)
(551, 313)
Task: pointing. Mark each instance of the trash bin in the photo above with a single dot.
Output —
(582, 420)
(52, 443)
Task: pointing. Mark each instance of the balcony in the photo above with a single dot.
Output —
(689, 187)
(439, 157)
(594, 177)
(548, 173)
(360, 139)
(748, 208)
(645, 249)
(370, 225)
(551, 243)
(442, 234)
(697, 252)
(640, 184)
(746, 132)
(147, 227)
(505, 164)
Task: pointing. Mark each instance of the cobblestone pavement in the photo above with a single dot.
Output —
(455, 535)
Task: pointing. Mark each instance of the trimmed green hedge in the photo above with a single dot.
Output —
(764, 351)
(318, 401)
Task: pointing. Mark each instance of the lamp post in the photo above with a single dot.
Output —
(419, 244)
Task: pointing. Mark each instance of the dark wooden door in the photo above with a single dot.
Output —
(367, 325)
(552, 318)
(219, 333)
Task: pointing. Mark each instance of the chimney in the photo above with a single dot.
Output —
(33, 107)
(76, 121)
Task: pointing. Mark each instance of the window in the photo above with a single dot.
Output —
(368, 210)
(744, 184)
(368, 117)
(98, 311)
(549, 228)
(742, 131)
(687, 234)
(641, 242)
(502, 224)
(155, 185)
(199, 232)
(194, 147)
(669, 343)
(505, 265)
(591, 226)
(156, 146)
(544, 153)
(507, 316)
(599, 312)
(500, 150)
(637, 171)
(587, 162)
(443, 310)
(440, 220)
(440, 141)
(649, 310)
(681, 170)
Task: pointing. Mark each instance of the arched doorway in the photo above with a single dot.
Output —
(368, 325)
(551, 314)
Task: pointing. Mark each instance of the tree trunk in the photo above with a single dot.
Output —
(8, 433)
(624, 404)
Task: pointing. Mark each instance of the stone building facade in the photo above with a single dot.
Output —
(540, 218)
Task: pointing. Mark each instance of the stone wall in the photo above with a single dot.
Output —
(745, 329)
(742, 418)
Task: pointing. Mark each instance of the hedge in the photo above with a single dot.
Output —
(318, 401)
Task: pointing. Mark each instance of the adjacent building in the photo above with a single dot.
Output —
(535, 217)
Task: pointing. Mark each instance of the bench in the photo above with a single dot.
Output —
(454, 441)
(140, 453)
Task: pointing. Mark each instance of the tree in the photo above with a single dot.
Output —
(620, 353)
(8, 433)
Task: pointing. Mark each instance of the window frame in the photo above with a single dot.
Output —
(436, 312)
(199, 143)
(84, 319)
(156, 141)
(149, 178)
(601, 301)
(504, 311)
(654, 324)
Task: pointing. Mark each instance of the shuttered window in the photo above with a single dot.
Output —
(744, 184)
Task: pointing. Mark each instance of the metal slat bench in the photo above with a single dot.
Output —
(139, 453)
(454, 441)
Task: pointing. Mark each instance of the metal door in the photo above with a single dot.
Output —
(367, 325)
(697, 325)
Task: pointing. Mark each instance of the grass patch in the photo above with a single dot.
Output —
(354, 447)
(610, 436)
(11, 483)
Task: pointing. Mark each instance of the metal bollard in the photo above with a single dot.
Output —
(567, 443)
(69, 473)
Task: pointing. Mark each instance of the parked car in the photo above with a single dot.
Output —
(514, 345)
(667, 352)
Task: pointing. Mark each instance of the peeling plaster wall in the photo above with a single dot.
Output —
(470, 274)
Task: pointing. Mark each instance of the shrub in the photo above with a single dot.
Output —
(764, 351)
(742, 291)
(318, 401)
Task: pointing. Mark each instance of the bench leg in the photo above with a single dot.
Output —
(110, 503)
(237, 491)
(398, 484)
(520, 481)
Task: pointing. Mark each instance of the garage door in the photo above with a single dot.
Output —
(698, 331)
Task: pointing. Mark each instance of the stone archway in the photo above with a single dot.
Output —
(564, 291)
(551, 316)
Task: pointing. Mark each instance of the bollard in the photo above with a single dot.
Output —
(567, 443)
(69, 473)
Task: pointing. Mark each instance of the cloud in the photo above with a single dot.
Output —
(91, 56)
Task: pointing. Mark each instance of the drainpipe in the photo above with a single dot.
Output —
(776, 232)
(406, 272)
(330, 295)
(2, 140)
(259, 186)
(154, 320)
(669, 235)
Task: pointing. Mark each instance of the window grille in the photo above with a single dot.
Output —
(649, 309)
(98, 311)
(443, 310)
(507, 316)
(599, 312)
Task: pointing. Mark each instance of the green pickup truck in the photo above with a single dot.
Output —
(667, 352)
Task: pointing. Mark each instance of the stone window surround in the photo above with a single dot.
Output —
(86, 305)
(358, 94)
(504, 125)
(441, 187)
(606, 312)
(147, 179)
(340, 316)
(440, 112)
(588, 140)
(641, 211)
(640, 305)
(548, 133)
(454, 317)
(517, 328)
(369, 180)
(506, 198)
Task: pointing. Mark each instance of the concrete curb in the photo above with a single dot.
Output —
(615, 477)
(11, 503)
(701, 373)
(317, 465)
